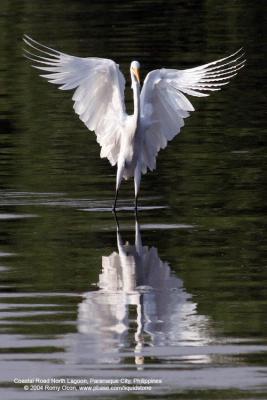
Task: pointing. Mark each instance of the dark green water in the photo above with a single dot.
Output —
(69, 304)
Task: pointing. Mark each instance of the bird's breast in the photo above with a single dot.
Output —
(129, 150)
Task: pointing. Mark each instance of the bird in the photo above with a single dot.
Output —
(131, 142)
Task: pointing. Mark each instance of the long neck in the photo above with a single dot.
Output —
(136, 99)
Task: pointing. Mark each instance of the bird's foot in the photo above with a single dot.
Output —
(116, 219)
(136, 205)
(136, 211)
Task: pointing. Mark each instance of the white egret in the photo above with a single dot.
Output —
(131, 141)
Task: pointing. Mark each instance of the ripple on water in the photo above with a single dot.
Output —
(5, 216)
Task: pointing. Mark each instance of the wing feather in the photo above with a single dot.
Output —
(164, 106)
(99, 91)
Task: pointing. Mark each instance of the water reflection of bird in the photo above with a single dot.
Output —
(140, 300)
(131, 141)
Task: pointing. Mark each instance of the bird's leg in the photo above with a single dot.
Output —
(118, 182)
(137, 180)
(115, 202)
(136, 203)
(116, 220)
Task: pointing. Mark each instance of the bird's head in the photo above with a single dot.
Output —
(135, 71)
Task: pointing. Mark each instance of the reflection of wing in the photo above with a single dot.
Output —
(156, 273)
(131, 270)
(99, 94)
(111, 277)
(164, 106)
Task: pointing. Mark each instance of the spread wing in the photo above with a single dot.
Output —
(164, 105)
(99, 95)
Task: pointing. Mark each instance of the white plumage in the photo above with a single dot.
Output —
(131, 141)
